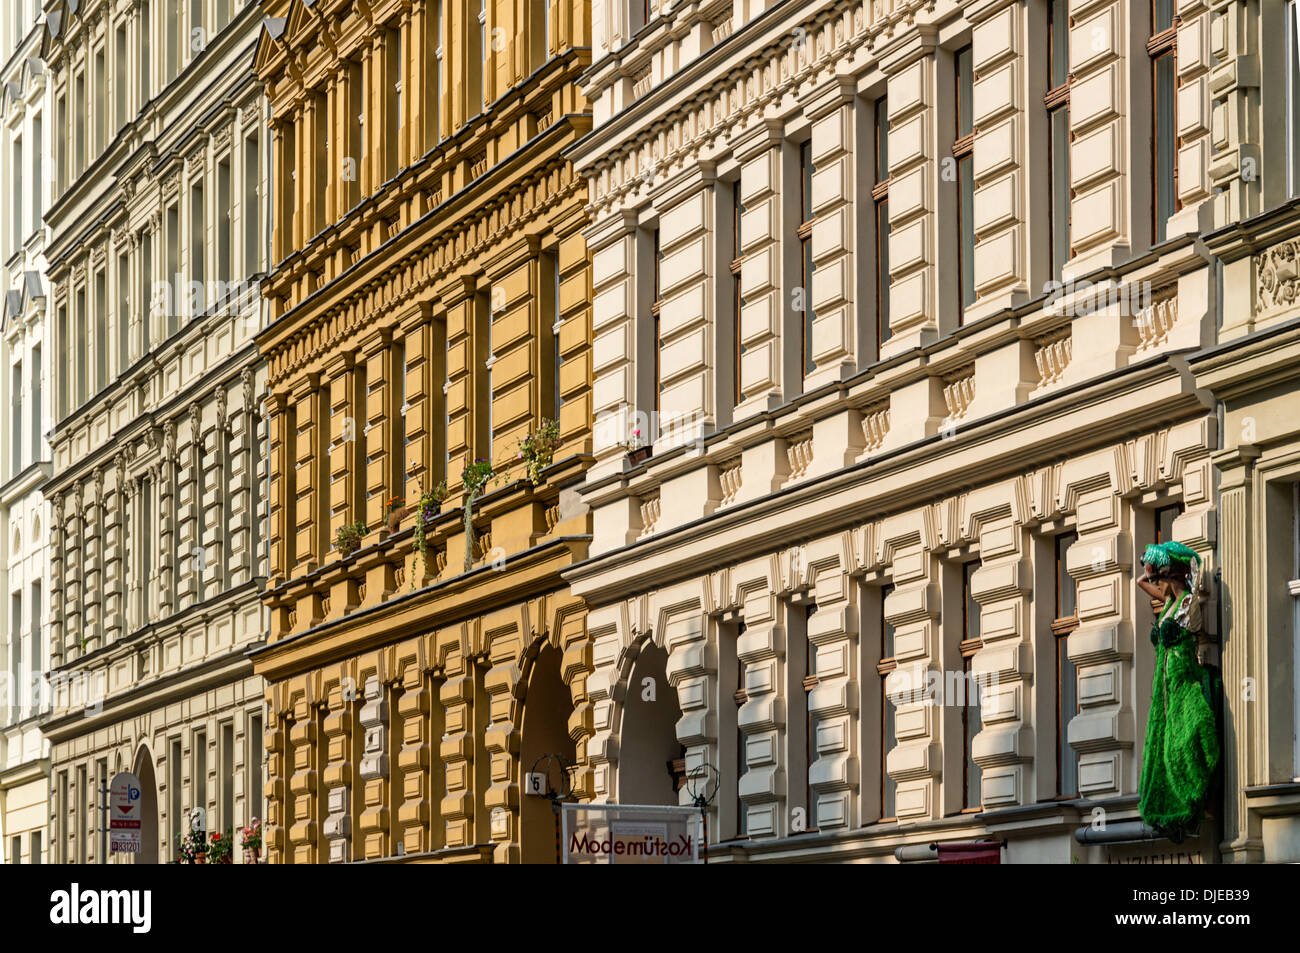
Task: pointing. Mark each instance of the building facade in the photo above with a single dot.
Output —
(904, 297)
(24, 377)
(156, 537)
(429, 315)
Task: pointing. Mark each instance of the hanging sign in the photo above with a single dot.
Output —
(124, 815)
(631, 834)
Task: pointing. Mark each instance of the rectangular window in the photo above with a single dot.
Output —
(79, 106)
(742, 760)
(225, 216)
(1057, 103)
(15, 850)
(737, 300)
(100, 795)
(880, 199)
(810, 722)
(548, 279)
(83, 357)
(18, 194)
(34, 838)
(963, 153)
(399, 420)
(145, 305)
(200, 779)
(1064, 621)
(884, 665)
(196, 29)
(38, 171)
(482, 77)
(37, 664)
(123, 313)
(101, 102)
(806, 265)
(538, 30)
(15, 640)
(253, 765)
(61, 820)
(101, 331)
(145, 44)
(252, 207)
(172, 271)
(1163, 50)
(433, 50)
(175, 782)
(656, 306)
(970, 715)
(80, 828)
(63, 391)
(227, 820)
(395, 118)
(198, 251)
(37, 373)
(16, 415)
(483, 378)
(61, 138)
(119, 77)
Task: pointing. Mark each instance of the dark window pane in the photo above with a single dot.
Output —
(1067, 708)
(1060, 190)
(965, 89)
(1164, 143)
(1060, 39)
(1162, 15)
(966, 181)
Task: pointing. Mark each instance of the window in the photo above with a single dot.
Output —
(196, 31)
(252, 207)
(61, 819)
(37, 372)
(82, 795)
(399, 420)
(810, 722)
(37, 663)
(227, 819)
(15, 850)
(34, 839)
(16, 431)
(539, 32)
(146, 305)
(737, 301)
(143, 46)
(433, 47)
(880, 200)
(1293, 587)
(806, 266)
(656, 306)
(101, 331)
(61, 139)
(200, 779)
(101, 102)
(123, 313)
(17, 172)
(174, 782)
(478, 26)
(1293, 100)
(38, 172)
(198, 251)
(1164, 520)
(1064, 621)
(970, 716)
(483, 403)
(119, 76)
(79, 123)
(742, 761)
(82, 359)
(549, 302)
(884, 665)
(963, 153)
(1163, 49)
(62, 392)
(253, 765)
(101, 790)
(1057, 103)
(15, 643)
(171, 272)
(393, 118)
(225, 215)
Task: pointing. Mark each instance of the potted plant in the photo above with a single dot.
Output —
(638, 450)
(347, 540)
(476, 477)
(537, 450)
(394, 512)
(429, 506)
(222, 848)
(250, 839)
(191, 846)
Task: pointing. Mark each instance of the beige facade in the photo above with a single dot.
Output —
(24, 451)
(157, 494)
(904, 295)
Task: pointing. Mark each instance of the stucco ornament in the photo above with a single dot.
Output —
(1277, 269)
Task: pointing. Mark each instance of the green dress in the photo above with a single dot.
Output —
(1182, 743)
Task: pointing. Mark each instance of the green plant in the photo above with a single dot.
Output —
(250, 837)
(430, 502)
(221, 850)
(538, 449)
(476, 478)
(192, 842)
(347, 540)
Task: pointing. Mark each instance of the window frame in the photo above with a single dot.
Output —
(963, 154)
(880, 210)
(884, 665)
(1160, 44)
(807, 267)
(967, 647)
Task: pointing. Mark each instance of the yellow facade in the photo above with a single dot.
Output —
(429, 307)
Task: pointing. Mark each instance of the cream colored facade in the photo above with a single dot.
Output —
(157, 243)
(857, 486)
(24, 753)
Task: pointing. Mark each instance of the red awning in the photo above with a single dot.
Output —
(970, 852)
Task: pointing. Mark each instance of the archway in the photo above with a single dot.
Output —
(650, 758)
(148, 807)
(545, 730)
